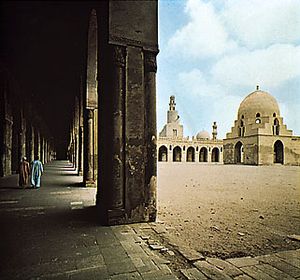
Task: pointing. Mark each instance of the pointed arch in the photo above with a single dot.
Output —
(203, 154)
(177, 154)
(278, 152)
(239, 152)
(190, 154)
(163, 153)
(215, 155)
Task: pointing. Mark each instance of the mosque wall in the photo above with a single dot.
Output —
(291, 150)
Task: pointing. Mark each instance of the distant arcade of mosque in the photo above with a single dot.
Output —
(258, 137)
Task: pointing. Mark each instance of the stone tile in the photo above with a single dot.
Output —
(193, 274)
(274, 272)
(159, 260)
(290, 257)
(91, 261)
(149, 265)
(226, 267)
(127, 276)
(120, 267)
(256, 273)
(155, 274)
(90, 274)
(190, 254)
(211, 271)
(242, 262)
(280, 265)
(243, 277)
(137, 262)
(289, 254)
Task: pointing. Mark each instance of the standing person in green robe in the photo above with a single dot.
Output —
(36, 173)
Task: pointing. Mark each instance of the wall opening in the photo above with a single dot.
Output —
(190, 154)
(203, 155)
(177, 154)
(278, 152)
(239, 152)
(215, 155)
(163, 153)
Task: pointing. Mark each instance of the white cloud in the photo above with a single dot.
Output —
(268, 67)
(257, 24)
(195, 83)
(204, 35)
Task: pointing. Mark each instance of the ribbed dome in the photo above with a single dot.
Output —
(203, 135)
(258, 102)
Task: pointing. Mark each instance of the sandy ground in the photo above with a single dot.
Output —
(230, 210)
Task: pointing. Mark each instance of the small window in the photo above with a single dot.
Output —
(242, 116)
(197, 149)
(257, 121)
(170, 148)
(184, 148)
(209, 148)
(258, 115)
(175, 132)
(274, 115)
(221, 149)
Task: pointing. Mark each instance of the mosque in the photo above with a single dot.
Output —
(259, 135)
(172, 146)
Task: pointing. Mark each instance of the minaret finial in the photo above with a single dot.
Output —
(172, 103)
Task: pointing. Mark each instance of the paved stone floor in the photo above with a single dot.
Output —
(53, 233)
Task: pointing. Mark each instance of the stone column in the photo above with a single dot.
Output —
(22, 136)
(89, 166)
(81, 154)
(38, 143)
(151, 137)
(41, 149)
(118, 59)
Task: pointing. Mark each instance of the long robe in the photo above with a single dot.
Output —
(36, 173)
(24, 172)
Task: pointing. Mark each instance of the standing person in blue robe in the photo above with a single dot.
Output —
(36, 173)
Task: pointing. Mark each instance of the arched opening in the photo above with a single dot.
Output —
(278, 152)
(190, 154)
(239, 153)
(215, 155)
(163, 153)
(177, 154)
(276, 127)
(203, 155)
(242, 129)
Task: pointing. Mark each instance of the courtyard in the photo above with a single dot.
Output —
(230, 210)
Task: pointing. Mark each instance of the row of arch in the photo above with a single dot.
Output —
(190, 154)
(278, 152)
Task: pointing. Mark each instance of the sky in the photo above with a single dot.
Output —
(214, 53)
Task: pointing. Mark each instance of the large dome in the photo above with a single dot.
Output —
(258, 102)
(203, 135)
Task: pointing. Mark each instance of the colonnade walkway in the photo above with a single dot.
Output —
(53, 233)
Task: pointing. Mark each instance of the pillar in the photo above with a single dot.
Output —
(81, 151)
(151, 163)
(118, 58)
(41, 157)
(37, 143)
(127, 112)
(89, 167)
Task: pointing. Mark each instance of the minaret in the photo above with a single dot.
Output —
(172, 103)
(214, 131)
(172, 113)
